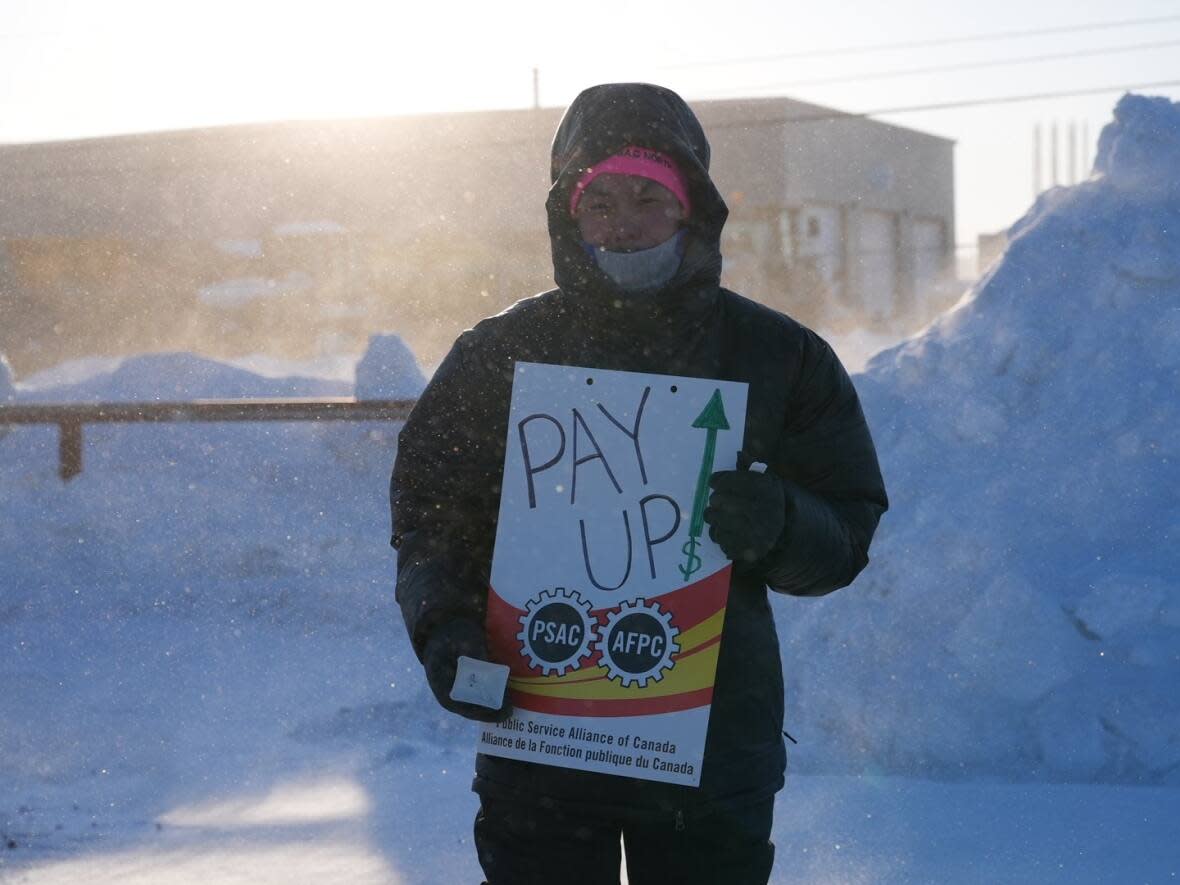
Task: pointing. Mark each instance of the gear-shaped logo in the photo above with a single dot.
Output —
(558, 631)
(638, 643)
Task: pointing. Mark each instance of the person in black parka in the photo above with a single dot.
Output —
(635, 224)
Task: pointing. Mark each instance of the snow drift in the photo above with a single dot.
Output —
(171, 377)
(1022, 614)
(285, 514)
(388, 370)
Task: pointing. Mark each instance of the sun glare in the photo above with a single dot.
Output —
(320, 801)
(364, 60)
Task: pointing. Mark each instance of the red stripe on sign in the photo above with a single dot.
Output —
(503, 623)
(674, 703)
(697, 602)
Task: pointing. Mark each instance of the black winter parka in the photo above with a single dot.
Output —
(803, 420)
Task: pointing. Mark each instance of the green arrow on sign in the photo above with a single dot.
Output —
(711, 419)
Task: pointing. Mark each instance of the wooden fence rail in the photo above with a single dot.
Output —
(70, 418)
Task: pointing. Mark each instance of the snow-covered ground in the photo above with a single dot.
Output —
(1028, 578)
(203, 677)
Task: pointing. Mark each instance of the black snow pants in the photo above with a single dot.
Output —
(522, 844)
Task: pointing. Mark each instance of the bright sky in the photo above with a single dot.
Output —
(72, 68)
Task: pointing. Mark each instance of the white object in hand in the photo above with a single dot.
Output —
(757, 467)
(480, 682)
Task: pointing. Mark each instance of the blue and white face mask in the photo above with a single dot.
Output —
(644, 269)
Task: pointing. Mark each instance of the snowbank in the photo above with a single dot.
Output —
(197, 612)
(1022, 614)
(388, 370)
(162, 513)
(168, 377)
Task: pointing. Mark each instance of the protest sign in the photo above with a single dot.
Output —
(607, 597)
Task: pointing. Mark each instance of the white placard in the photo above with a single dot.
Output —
(479, 682)
(607, 596)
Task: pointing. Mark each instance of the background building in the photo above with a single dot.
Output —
(304, 238)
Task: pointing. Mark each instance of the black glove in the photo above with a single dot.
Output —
(747, 513)
(441, 658)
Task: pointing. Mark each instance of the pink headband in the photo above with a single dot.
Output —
(640, 161)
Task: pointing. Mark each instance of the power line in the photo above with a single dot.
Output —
(971, 65)
(921, 44)
(948, 105)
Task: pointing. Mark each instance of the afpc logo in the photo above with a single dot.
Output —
(558, 631)
(638, 643)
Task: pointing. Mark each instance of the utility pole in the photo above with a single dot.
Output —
(1073, 151)
(536, 88)
(1086, 148)
(1053, 153)
(1048, 170)
(1036, 158)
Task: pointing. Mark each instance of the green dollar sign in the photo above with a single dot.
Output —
(693, 563)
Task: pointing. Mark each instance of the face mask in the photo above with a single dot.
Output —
(645, 269)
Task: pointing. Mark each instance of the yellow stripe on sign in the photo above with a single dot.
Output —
(709, 628)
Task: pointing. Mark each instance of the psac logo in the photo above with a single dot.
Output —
(559, 632)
